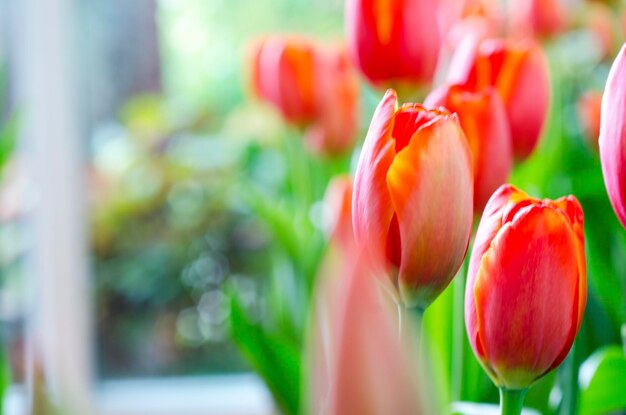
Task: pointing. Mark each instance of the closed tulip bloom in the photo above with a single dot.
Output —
(282, 75)
(485, 124)
(395, 40)
(337, 96)
(613, 136)
(537, 17)
(412, 201)
(526, 286)
(519, 71)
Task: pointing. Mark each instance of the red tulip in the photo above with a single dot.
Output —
(395, 40)
(537, 17)
(613, 136)
(413, 193)
(485, 124)
(526, 286)
(337, 96)
(283, 76)
(588, 107)
(519, 71)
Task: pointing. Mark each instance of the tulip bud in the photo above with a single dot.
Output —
(526, 286)
(413, 194)
(613, 136)
(588, 107)
(313, 87)
(337, 96)
(395, 40)
(537, 17)
(282, 75)
(484, 122)
(519, 71)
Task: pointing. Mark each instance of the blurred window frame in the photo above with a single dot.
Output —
(59, 309)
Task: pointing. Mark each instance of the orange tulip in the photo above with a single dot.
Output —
(282, 75)
(613, 136)
(413, 194)
(526, 286)
(337, 96)
(485, 124)
(395, 40)
(588, 107)
(537, 17)
(313, 87)
(519, 71)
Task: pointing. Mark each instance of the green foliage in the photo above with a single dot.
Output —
(602, 380)
(274, 357)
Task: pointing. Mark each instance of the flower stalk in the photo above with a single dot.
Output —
(512, 401)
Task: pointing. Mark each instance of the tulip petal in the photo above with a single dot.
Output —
(372, 210)
(490, 224)
(394, 40)
(531, 260)
(574, 211)
(527, 104)
(484, 121)
(613, 136)
(430, 184)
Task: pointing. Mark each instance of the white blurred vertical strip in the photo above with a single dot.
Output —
(59, 314)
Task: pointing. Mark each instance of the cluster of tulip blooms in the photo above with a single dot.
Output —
(427, 170)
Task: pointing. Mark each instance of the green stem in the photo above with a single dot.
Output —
(458, 333)
(569, 382)
(624, 337)
(418, 319)
(512, 401)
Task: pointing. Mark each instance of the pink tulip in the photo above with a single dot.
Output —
(613, 136)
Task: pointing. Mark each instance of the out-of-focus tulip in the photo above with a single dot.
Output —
(470, 30)
(588, 106)
(395, 40)
(613, 135)
(484, 122)
(537, 17)
(519, 71)
(282, 75)
(486, 8)
(313, 87)
(413, 195)
(347, 375)
(526, 286)
(337, 96)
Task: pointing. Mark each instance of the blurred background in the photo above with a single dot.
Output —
(155, 230)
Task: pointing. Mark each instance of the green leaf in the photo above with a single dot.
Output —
(470, 408)
(5, 376)
(8, 138)
(275, 359)
(602, 380)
